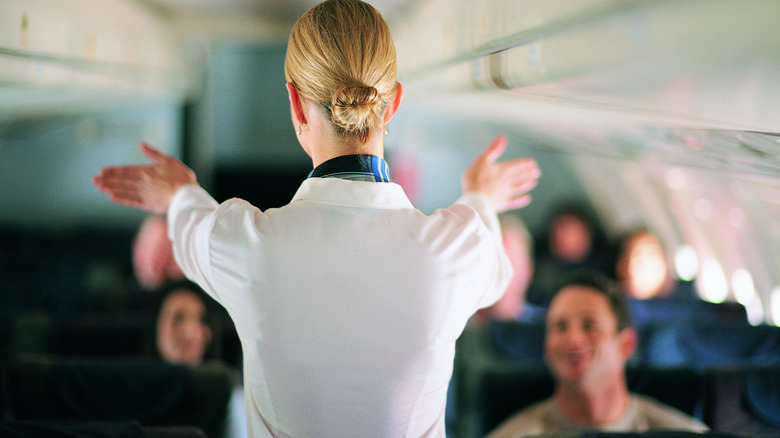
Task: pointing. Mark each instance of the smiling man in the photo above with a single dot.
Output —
(589, 339)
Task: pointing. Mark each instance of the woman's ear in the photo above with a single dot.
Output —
(392, 108)
(296, 106)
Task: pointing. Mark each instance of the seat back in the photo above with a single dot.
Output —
(708, 345)
(72, 429)
(721, 345)
(504, 391)
(150, 392)
(101, 334)
(680, 387)
(672, 311)
(513, 340)
(745, 400)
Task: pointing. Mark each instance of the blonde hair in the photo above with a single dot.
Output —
(341, 55)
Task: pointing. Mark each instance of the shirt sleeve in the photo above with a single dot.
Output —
(500, 272)
(485, 209)
(191, 218)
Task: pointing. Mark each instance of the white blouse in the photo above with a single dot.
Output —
(348, 301)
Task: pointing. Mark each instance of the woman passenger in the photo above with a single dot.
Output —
(185, 326)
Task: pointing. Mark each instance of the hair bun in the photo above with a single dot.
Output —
(356, 107)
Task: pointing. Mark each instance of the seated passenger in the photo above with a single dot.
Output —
(184, 324)
(153, 262)
(518, 245)
(589, 339)
(574, 241)
(643, 269)
(184, 329)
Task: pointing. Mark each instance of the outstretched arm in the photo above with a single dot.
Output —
(148, 187)
(506, 184)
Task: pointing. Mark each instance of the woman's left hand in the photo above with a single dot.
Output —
(505, 183)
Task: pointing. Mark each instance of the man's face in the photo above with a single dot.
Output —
(583, 347)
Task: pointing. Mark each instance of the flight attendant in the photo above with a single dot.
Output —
(348, 300)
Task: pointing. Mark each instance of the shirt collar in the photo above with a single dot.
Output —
(354, 168)
(337, 191)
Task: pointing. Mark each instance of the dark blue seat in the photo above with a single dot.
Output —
(693, 310)
(516, 340)
(721, 345)
(745, 400)
(708, 345)
(659, 345)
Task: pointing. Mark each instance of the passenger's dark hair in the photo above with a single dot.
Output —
(580, 211)
(604, 285)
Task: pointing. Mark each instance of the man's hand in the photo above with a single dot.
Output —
(506, 183)
(148, 187)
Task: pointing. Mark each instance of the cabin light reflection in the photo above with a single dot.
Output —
(702, 208)
(745, 293)
(676, 179)
(736, 217)
(686, 263)
(775, 303)
(714, 285)
(744, 289)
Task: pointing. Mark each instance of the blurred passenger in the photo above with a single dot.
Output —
(643, 269)
(518, 245)
(153, 260)
(589, 339)
(185, 325)
(574, 241)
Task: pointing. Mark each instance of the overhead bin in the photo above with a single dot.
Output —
(703, 62)
(67, 55)
(685, 74)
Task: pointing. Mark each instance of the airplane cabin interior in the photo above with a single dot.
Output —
(655, 114)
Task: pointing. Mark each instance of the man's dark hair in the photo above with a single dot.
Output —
(604, 285)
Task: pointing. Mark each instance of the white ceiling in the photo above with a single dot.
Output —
(282, 11)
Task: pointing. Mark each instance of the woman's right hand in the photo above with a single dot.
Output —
(148, 187)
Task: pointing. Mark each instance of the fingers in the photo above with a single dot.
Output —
(121, 191)
(114, 177)
(494, 149)
(149, 187)
(518, 202)
(521, 172)
(125, 187)
(518, 177)
(152, 153)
